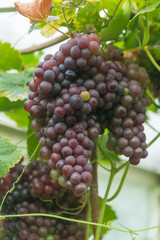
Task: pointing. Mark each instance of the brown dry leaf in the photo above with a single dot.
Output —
(36, 11)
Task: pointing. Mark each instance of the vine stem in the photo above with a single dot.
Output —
(151, 58)
(80, 221)
(53, 216)
(94, 189)
(101, 215)
(121, 183)
(153, 140)
(154, 129)
(64, 15)
(88, 219)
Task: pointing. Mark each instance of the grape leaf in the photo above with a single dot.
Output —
(132, 23)
(51, 28)
(138, 5)
(36, 11)
(19, 115)
(13, 86)
(15, 111)
(9, 156)
(10, 58)
(120, 19)
(88, 19)
(6, 105)
(32, 142)
(31, 60)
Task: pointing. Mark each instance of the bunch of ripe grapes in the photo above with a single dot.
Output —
(28, 197)
(141, 58)
(75, 95)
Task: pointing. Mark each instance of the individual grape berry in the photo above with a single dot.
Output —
(49, 76)
(45, 88)
(76, 101)
(70, 63)
(93, 46)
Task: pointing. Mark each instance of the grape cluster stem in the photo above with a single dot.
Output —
(94, 190)
(113, 172)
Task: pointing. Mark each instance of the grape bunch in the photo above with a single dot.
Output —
(35, 228)
(77, 93)
(125, 118)
(27, 198)
(36, 183)
(141, 58)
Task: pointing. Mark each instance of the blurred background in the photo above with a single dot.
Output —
(138, 204)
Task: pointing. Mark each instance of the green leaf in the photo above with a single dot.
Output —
(109, 215)
(103, 153)
(88, 19)
(19, 115)
(15, 111)
(131, 26)
(9, 156)
(110, 5)
(10, 58)
(14, 86)
(6, 105)
(32, 142)
(32, 59)
(118, 23)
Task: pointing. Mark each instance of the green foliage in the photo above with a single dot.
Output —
(15, 111)
(19, 115)
(109, 215)
(49, 28)
(6, 105)
(103, 153)
(31, 60)
(110, 5)
(120, 19)
(145, 12)
(88, 19)
(10, 58)
(32, 142)
(14, 86)
(9, 156)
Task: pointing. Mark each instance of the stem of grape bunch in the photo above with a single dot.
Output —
(101, 215)
(94, 190)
